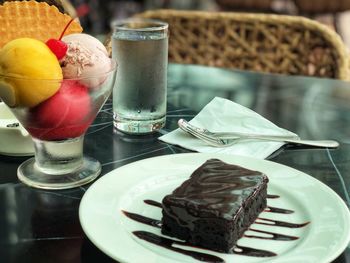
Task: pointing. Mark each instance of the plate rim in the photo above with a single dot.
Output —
(329, 190)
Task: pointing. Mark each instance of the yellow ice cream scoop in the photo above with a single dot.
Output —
(23, 63)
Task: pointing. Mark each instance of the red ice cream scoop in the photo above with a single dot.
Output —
(64, 115)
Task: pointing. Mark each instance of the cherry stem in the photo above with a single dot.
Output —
(64, 30)
(82, 10)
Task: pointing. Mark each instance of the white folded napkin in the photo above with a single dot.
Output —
(222, 115)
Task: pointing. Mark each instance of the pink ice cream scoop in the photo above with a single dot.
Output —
(64, 115)
(86, 57)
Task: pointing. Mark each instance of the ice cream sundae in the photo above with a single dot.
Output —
(55, 79)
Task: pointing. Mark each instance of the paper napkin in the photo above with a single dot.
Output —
(222, 115)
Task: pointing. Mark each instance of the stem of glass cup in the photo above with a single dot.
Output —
(59, 157)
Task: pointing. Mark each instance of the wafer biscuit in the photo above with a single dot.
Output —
(33, 19)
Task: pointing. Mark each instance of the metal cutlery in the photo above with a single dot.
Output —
(228, 139)
(229, 135)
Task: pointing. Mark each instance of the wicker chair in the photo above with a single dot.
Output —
(257, 42)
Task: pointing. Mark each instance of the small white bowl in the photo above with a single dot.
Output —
(14, 139)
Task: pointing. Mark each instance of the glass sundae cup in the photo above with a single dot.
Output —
(58, 125)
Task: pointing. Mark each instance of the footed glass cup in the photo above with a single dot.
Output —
(58, 125)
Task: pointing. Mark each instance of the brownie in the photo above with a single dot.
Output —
(214, 207)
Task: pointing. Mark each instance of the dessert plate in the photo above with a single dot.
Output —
(322, 216)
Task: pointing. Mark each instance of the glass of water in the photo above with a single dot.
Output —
(140, 47)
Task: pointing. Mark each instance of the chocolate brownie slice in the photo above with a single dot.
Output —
(215, 205)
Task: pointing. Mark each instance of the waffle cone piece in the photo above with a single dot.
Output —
(33, 19)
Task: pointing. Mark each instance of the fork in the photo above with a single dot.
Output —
(229, 135)
(216, 141)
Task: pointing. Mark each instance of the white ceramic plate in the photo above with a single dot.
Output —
(127, 187)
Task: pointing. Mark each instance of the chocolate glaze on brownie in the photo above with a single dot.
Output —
(215, 206)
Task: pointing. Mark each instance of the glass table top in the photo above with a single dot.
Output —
(43, 226)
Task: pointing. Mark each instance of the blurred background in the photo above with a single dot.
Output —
(335, 13)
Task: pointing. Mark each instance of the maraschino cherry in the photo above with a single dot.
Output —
(57, 46)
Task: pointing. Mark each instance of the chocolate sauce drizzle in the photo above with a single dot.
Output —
(279, 223)
(143, 219)
(278, 210)
(252, 252)
(273, 196)
(275, 236)
(240, 250)
(168, 243)
(154, 203)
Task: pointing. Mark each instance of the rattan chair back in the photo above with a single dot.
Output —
(258, 42)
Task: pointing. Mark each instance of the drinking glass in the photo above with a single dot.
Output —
(140, 47)
(58, 125)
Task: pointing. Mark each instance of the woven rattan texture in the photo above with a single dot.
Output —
(257, 42)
